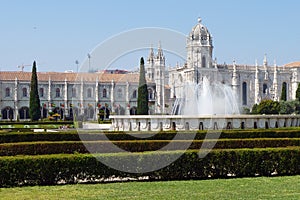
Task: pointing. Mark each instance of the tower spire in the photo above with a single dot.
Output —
(256, 84)
(159, 51)
(265, 60)
(275, 82)
(151, 55)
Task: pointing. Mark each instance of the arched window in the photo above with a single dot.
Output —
(203, 62)
(265, 87)
(24, 92)
(244, 93)
(41, 92)
(57, 92)
(134, 94)
(7, 92)
(89, 92)
(150, 94)
(119, 93)
(73, 92)
(104, 93)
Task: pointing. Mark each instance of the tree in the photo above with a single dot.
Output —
(287, 107)
(34, 105)
(266, 107)
(142, 101)
(283, 92)
(298, 92)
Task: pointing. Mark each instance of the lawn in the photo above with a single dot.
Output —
(240, 188)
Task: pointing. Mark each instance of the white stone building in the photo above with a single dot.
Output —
(82, 94)
(252, 83)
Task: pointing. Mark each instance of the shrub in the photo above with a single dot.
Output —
(55, 169)
(266, 107)
(40, 148)
(169, 135)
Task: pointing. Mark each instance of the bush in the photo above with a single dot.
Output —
(36, 123)
(40, 148)
(266, 107)
(13, 137)
(55, 169)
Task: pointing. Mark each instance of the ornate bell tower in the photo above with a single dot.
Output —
(199, 49)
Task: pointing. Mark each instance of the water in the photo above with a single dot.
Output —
(206, 98)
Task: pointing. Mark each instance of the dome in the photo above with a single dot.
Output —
(199, 31)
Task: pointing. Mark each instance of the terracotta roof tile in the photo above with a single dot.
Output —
(69, 76)
(293, 64)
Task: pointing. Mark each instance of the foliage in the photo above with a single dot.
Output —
(34, 105)
(289, 107)
(298, 92)
(69, 147)
(14, 137)
(283, 96)
(245, 110)
(266, 107)
(142, 101)
(52, 169)
(274, 107)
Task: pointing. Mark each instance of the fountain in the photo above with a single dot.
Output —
(206, 99)
(203, 106)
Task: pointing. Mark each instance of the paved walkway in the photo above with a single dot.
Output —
(87, 125)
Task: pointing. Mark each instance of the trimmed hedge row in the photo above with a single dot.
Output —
(200, 135)
(65, 169)
(35, 122)
(69, 147)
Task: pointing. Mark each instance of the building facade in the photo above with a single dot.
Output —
(83, 94)
(251, 83)
(70, 94)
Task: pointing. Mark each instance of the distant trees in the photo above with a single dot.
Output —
(266, 107)
(298, 92)
(34, 104)
(142, 100)
(283, 96)
(275, 107)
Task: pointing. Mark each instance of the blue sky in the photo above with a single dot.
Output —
(56, 33)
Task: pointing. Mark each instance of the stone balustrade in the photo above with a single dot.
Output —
(209, 122)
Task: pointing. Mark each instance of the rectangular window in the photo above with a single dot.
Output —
(41, 92)
(73, 92)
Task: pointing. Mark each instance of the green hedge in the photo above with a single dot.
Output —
(86, 135)
(55, 169)
(69, 147)
(39, 136)
(35, 123)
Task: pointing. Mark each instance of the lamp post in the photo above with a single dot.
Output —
(89, 57)
(76, 62)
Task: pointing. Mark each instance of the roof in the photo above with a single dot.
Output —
(69, 76)
(293, 64)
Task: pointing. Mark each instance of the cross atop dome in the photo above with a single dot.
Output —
(199, 20)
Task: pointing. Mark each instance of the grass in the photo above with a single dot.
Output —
(241, 188)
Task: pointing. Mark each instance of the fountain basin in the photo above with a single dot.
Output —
(203, 122)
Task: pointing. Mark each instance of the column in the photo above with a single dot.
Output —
(275, 84)
(235, 83)
(96, 98)
(127, 103)
(112, 99)
(256, 85)
(16, 113)
(49, 95)
(66, 99)
(81, 97)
